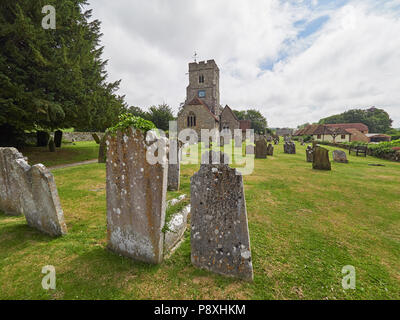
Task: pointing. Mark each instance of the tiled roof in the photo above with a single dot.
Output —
(234, 115)
(197, 101)
(357, 126)
(319, 129)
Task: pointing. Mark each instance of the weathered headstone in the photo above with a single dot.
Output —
(321, 159)
(339, 156)
(309, 154)
(30, 191)
(96, 138)
(52, 145)
(219, 236)
(102, 150)
(174, 165)
(238, 141)
(58, 138)
(270, 150)
(261, 149)
(249, 149)
(136, 197)
(289, 148)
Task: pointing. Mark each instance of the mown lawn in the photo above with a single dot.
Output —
(68, 153)
(304, 226)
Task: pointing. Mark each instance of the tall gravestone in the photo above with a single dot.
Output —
(136, 197)
(270, 150)
(30, 190)
(309, 154)
(321, 159)
(261, 149)
(174, 165)
(219, 236)
(58, 138)
(42, 138)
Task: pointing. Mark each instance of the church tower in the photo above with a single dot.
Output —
(204, 84)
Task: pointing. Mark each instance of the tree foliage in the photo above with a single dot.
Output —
(258, 121)
(377, 120)
(160, 115)
(54, 78)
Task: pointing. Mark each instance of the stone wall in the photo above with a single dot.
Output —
(204, 119)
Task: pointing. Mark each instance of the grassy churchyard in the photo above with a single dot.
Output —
(305, 226)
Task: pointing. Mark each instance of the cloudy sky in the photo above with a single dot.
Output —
(295, 61)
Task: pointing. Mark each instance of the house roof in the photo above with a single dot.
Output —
(197, 101)
(357, 126)
(319, 129)
(357, 135)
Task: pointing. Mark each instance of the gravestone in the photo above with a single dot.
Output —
(58, 138)
(238, 141)
(339, 156)
(174, 165)
(102, 150)
(309, 154)
(220, 239)
(321, 159)
(270, 150)
(136, 197)
(42, 138)
(289, 148)
(52, 145)
(261, 149)
(96, 138)
(276, 141)
(30, 190)
(249, 149)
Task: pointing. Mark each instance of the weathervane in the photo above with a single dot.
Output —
(195, 56)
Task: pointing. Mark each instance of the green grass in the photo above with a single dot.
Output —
(68, 153)
(305, 225)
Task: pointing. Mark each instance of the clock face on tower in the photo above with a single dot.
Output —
(202, 93)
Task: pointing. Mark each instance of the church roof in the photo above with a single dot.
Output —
(229, 109)
(197, 101)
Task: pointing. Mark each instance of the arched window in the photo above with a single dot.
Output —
(191, 119)
(201, 78)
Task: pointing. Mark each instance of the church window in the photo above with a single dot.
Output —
(191, 120)
(201, 79)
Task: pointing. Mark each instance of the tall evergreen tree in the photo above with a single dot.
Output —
(53, 78)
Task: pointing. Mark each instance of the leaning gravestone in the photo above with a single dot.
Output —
(321, 159)
(339, 156)
(136, 194)
(289, 148)
(309, 154)
(30, 191)
(58, 138)
(261, 149)
(219, 236)
(270, 150)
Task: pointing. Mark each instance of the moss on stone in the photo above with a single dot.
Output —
(127, 120)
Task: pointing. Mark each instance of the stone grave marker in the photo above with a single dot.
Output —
(136, 197)
(219, 236)
(321, 159)
(261, 149)
(289, 148)
(339, 156)
(58, 138)
(309, 154)
(270, 150)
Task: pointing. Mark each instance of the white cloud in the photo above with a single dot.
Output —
(353, 61)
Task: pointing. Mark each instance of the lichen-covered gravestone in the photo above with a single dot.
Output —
(136, 197)
(289, 148)
(261, 149)
(309, 154)
(30, 190)
(219, 236)
(321, 159)
(270, 150)
(339, 156)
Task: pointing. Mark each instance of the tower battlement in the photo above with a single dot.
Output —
(201, 65)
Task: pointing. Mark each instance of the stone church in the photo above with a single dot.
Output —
(202, 109)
